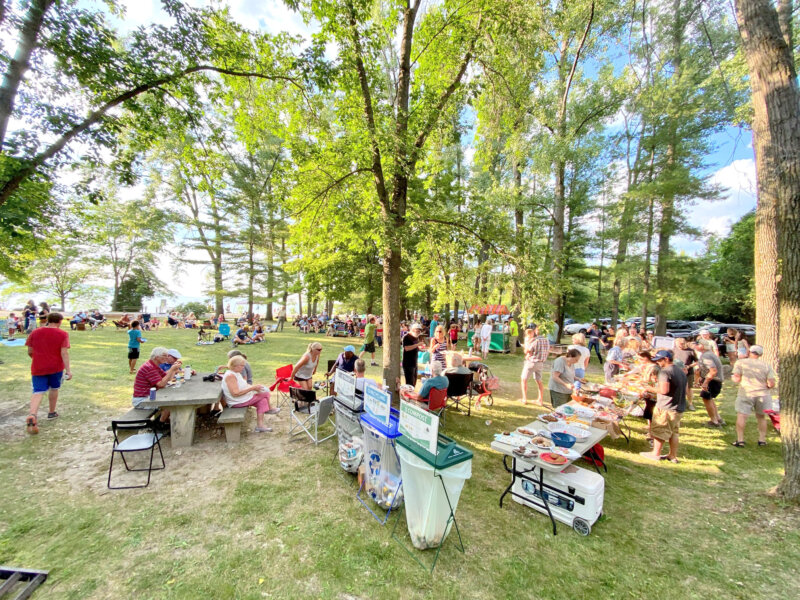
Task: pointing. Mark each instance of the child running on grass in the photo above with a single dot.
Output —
(135, 339)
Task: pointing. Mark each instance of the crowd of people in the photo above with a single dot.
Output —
(668, 377)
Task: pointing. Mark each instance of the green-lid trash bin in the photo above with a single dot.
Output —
(427, 507)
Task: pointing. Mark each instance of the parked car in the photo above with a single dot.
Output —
(718, 331)
(574, 328)
(675, 328)
(702, 324)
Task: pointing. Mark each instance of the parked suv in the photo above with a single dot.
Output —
(718, 331)
(675, 328)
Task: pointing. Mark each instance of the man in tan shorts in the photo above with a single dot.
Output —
(670, 405)
(536, 350)
(756, 380)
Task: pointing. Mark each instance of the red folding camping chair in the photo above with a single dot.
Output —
(437, 401)
(283, 383)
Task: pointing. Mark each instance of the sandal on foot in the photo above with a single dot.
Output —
(762, 443)
(674, 461)
(52, 415)
(740, 444)
(31, 426)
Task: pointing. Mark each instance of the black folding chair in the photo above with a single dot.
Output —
(459, 387)
(140, 442)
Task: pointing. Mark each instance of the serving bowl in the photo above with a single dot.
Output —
(564, 440)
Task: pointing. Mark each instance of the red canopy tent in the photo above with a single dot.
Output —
(489, 309)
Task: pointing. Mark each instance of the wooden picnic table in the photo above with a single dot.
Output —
(182, 402)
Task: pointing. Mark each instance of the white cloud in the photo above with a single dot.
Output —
(737, 181)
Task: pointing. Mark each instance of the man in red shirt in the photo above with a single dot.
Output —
(48, 348)
(150, 375)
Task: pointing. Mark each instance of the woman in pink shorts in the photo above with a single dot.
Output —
(238, 393)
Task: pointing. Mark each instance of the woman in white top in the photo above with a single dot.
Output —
(305, 368)
(579, 344)
(238, 393)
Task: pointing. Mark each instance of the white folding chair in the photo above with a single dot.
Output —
(311, 418)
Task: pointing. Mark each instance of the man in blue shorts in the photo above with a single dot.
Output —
(48, 348)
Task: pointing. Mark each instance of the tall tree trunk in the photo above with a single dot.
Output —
(519, 233)
(647, 263)
(300, 302)
(602, 253)
(219, 298)
(776, 128)
(559, 207)
(17, 66)
(668, 198)
(392, 283)
(251, 277)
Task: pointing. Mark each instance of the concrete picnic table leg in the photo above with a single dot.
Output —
(182, 426)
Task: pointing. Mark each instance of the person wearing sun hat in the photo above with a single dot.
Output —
(670, 406)
(346, 361)
(756, 380)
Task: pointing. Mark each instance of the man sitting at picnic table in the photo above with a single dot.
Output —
(346, 361)
(151, 375)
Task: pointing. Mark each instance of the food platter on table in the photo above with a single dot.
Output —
(526, 432)
(553, 459)
(567, 452)
(525, 452)
(579, 431)
(549, 418)
(541, 442)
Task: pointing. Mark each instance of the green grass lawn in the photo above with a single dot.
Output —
(274, 519)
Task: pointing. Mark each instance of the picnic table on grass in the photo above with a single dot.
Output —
(534, 469)
(182, 402)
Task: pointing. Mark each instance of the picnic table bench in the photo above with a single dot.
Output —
(232, 419)
(133, 415)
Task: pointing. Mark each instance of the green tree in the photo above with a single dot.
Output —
(375, 131)
(128, 237)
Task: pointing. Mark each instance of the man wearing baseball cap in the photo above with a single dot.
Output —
(670, 405)
(346, 361)
(756, 380)
(411, 347)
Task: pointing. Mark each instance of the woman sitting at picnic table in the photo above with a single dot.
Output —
(238, 394)
(304, 370)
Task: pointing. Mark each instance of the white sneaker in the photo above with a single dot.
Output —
(262, 429)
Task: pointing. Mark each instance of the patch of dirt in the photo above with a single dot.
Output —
(80, 453)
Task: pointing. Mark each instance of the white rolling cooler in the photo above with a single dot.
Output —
(575, 499)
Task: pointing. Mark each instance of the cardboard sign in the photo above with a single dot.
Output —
(419, 426)
(377, 403)
(663, 342)
(345, 384)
